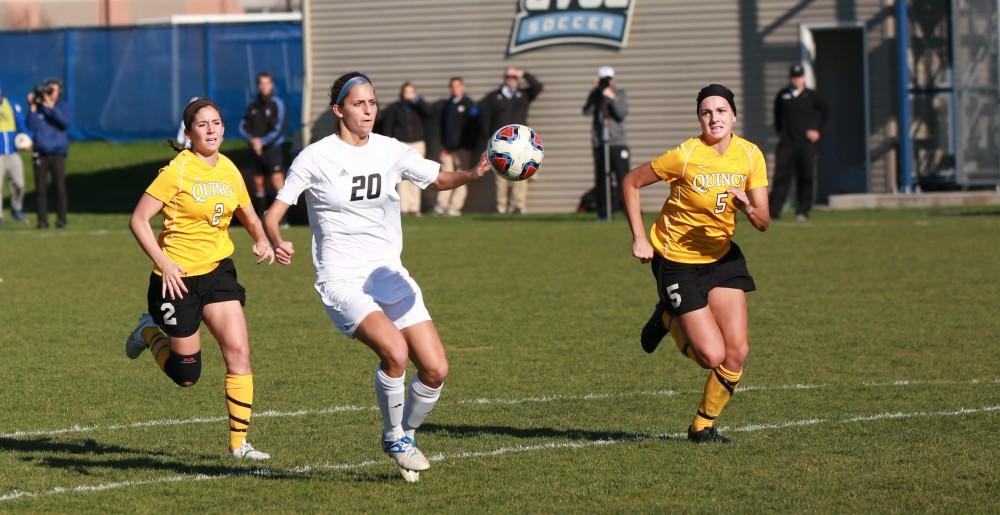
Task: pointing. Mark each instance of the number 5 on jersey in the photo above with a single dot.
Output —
(720, 203)
(675, 298)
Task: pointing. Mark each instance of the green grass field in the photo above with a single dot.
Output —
(872, 385)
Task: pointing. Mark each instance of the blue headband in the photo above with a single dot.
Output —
(360, 79)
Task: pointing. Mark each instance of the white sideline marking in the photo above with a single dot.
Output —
(511, 402)
(514, 449)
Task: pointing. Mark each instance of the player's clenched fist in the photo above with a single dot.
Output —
(284, 252)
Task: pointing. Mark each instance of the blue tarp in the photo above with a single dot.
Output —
(132, 83)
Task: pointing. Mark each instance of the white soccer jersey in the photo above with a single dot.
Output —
(352, 201)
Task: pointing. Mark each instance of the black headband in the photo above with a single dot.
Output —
(716, 90)
(194, 106)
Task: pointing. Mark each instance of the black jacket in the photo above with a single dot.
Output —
(405, 120)
(617, 110)
(264, 119)
(496, 110)
(458, 122)
(794, 115)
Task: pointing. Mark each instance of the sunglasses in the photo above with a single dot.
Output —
(511, 77)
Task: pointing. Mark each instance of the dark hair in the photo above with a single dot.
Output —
(716, 90)
(453, 79)
(403, 87)
(189, 113)
(261, 75)
(339, 84)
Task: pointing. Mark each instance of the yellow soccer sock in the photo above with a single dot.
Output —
(158, 344)
(680, 337)
(239, 402)
(719, 390)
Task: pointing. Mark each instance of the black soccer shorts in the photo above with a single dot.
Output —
(269, 161)
(684, 287)
(181, 318)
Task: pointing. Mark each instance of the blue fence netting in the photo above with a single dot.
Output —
(132, 83)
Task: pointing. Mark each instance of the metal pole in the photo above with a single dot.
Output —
(903, 64)
(607, 166)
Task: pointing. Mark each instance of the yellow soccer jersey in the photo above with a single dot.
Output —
(698, 219)
(198, 204)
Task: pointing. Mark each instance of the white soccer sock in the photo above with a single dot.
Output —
(420, 404)
(390, 392)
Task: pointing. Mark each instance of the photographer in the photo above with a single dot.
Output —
(608, 106)
(49, 121)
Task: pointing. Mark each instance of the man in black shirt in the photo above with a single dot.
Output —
(458, 117)
(503, 106)
(263, 126)
(799, 114)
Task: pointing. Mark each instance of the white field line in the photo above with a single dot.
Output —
(348, 408)
(305, 470)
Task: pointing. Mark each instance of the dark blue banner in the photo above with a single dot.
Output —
(541, 23)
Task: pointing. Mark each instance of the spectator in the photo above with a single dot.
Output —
(458, 144)
(608, 106)
(799, 114)
(263, 126)
(49, 121)
(182, 140)
(404, 120)
(11, 123)
(503, 106)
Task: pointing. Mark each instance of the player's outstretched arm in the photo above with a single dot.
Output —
(452, 180)
(640, 177)
(283, 250)
(754, 205)
(146, 209)
(261, 247)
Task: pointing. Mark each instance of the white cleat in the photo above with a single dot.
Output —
(410, 476)
(406, 454)
(247, 452)
(134, 344)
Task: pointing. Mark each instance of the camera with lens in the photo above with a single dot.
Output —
(603, 83)
(38, 94)
(45, 88)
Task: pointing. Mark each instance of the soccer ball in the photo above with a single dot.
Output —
(515, 152)
(22, 141)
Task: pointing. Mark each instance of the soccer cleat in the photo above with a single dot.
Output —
(707, 435)
(247, 452)
(410, 476)
(654, 331)
(406, 454)
(134, 345)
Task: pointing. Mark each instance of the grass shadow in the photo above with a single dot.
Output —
(83, 466)
(966, 212)
(470, 431)
(88, 446)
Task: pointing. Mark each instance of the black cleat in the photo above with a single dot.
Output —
(654, 331)
(707, 435)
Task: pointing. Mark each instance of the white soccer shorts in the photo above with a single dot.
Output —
(389, 290)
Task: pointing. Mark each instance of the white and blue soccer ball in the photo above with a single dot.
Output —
(515, 152)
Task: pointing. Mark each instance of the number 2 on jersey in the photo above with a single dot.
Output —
(366, 187)
(217, 215)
